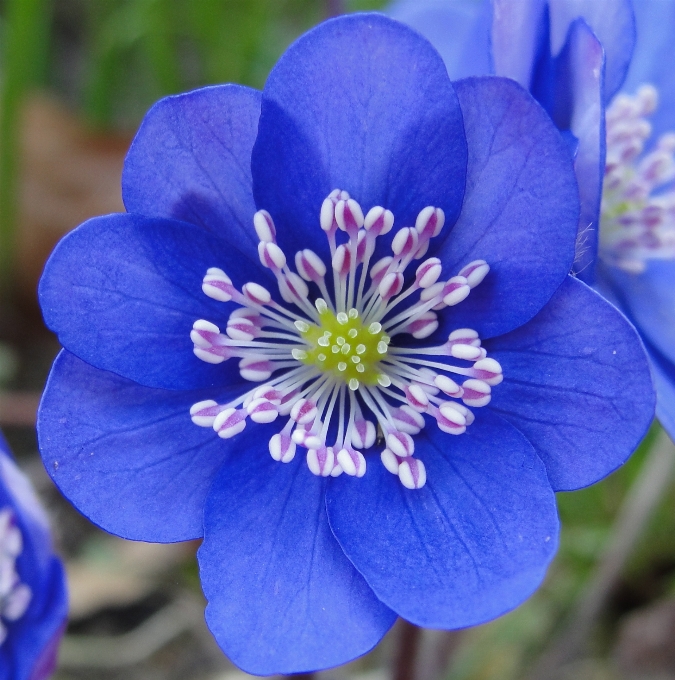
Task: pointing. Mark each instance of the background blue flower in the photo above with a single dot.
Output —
(574, 57)
(303, 572)
(33, 609)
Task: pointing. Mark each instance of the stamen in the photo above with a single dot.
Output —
(329, 359)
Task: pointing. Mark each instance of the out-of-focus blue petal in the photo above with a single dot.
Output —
(520, 210)
(191, 161)
(122, 292)
(458, 29)
(577, 385)
(613, 23)
(654, 58)
(473, 543)
(282, 596)
(128, 457)
(518, 31)
(28, 652)
(364, 104)
(663, 372)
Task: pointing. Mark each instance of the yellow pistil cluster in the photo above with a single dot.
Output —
(342, 345)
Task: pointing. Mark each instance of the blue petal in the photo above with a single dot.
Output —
(364, 104)
(664, 379)
(459, 30)
(122, 292)
(298, 604)
(520, 210)
(128, 457)
(577, 384)
(191, 161)
(613, 23)
(27, 652)
(470, 545)
(518, 30)
(653, 59)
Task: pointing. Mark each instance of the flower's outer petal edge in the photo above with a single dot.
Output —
(612, 21)
(123, 291)
(577, 384)
(128, 457)
(29, 649)
(299, 605)
(653, 61)
(470, 545)
(191, 161)
(520, 210)
(459, 30)
(664, 379)
(360, 103)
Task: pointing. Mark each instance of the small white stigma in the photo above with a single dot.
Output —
(336, 358)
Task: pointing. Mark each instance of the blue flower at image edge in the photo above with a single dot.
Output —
(305, 565)
(33, 598)
(574, 57)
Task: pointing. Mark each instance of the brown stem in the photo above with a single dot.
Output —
(405, 658)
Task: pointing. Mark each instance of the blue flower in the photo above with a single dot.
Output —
(626, 240)
(33, 599)
(417, 425)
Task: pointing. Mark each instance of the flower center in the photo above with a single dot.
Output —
(638, 200)
(334, 364)
(342, 345)
(15, 596)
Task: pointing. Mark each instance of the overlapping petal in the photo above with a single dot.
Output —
(122, 292)
(577, 385)
(520, 208)
(282, 596)
(128, 456)
(191, 161)
(362, 104)
(473, 543)
(28, 651)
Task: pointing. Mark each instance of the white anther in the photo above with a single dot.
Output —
(255, 369)
(475, 272)
(405, 241)
(379, 269)
(292, 287)
(229, 422)
(342, 319)
(321, 461)
(455, 291)
(242, 329)
(348, 215)
(300, 435)
(429, 222)
(353, 313)
(341, 260)
(464, 336)
(417, 397)
(379, 221)
(323, 341)
(203, 413)
(342, 366)
(346, 348)
(271, 256)
(448, 386)
(298, 354)
(264, 226)
(217, 285)
(353, 384)
(381, 347)
(301, 325)
(304, 411)
(428, 272)
(412, 473)
(450, 412)
(262, 411)
(648, 98)
(256, 293)
(202, 333)
(466, 352)
(489, 370)
(282, 448)
(337, 470)
(313, 441)
(462, 409)
(352, 333)
(423, 326)
(269, 393)
(391, 285)
(212, 355)
(434, 290)
(309, 265)
(352, 462)
(363, 434)
(383, 379)
(321, 305)
(375, 328)
(401, 443)
(476, 392)
(390, 461)
(327, 216)
(408, 420)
